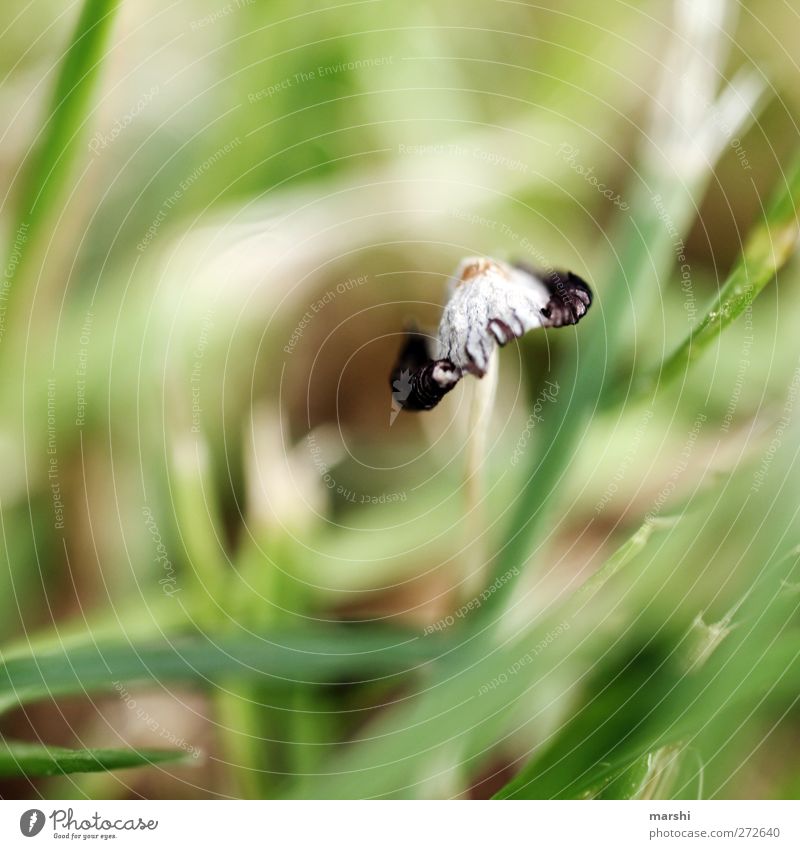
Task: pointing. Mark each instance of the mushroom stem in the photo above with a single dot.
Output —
(476, 557)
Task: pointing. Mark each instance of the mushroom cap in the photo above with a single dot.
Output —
(492, 302)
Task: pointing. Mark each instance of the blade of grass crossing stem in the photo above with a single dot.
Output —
(399, 745)
(49, 167)
(315, 656)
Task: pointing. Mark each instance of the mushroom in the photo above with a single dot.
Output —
(490, 303)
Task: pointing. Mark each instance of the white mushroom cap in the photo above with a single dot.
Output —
(492, 302)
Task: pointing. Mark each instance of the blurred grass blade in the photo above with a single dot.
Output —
(324, 656)
(648, 777)
(48, 168)
(623, 718)
(199, 523)
(678, 161)
(768, 248)
(659, 710)
(31, 759)
(398, 747)
(628, 784)
(620, 558)
(640, 703)
(584, 715)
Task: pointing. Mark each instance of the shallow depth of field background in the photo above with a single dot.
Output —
(197, 452)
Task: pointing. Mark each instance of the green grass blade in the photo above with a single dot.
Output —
(636, 705)
(628, 784)
(323, 656)
(621, 558)
(768, 248)
(561, 686)
(646, 251)
(662, 711)
(32, 759)
(399, 745)
(48, 168)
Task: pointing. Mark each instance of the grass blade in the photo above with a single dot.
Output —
(315, 657)
(639, 704)
(663, 194)
(769, 247)
(399, 744)
(667, 711)
(49, 166)
(32, 759)
(620, 558)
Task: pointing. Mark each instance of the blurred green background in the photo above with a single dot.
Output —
(221, 552)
